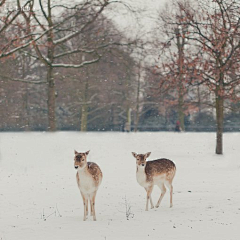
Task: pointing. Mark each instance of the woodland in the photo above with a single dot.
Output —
(69, 66)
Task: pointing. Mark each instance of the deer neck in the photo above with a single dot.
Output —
(83, 169)
(141, 176)
(141, 170)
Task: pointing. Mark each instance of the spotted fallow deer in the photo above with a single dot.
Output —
(89, 177)
(158, 172)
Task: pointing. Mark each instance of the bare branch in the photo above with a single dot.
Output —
(74, 51)
(62, 65)
(3, 77)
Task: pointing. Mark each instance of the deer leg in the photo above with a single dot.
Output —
(163, 191)
(92, 202)
(170, 187)
(86, 206)
(91, 206)
(151, 202)
(149, 192)
(85, 202)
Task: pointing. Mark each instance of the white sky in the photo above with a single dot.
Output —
(125, 19)
(146, 16)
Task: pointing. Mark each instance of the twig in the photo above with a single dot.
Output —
(128, 209)
(44, 217)
(58, 211)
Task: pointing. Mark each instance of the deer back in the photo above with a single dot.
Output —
(160, 167)
(95, 171)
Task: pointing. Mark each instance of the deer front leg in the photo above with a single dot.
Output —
(85, 207)
(151, 202)
(149, 192)
(92, 203)
(91, 206)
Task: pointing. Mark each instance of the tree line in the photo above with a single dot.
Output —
(69, 67)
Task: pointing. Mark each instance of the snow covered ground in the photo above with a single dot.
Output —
(39, 198)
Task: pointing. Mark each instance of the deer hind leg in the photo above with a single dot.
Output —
(149, 192)
(163, 191)
(92, 203)
(170, 187)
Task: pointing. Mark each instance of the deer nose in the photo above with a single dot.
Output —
(143, 164)
(76, 167)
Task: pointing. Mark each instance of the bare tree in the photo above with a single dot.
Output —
(215, 27)
(73, 21)
(105, 38)
(13, 31)
(176, 59)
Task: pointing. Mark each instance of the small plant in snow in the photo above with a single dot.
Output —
(55, 212)
(128, 207)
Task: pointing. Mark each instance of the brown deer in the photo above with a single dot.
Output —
(89, 177)
(158, 172)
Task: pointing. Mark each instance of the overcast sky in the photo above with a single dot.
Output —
(146, 19)
(123, 17)
(129, 23)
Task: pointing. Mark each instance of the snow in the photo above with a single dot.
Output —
(39, 197)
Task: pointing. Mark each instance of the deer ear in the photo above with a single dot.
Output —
(87, 152)
(147, 154)
(75, 152)
(134, 154)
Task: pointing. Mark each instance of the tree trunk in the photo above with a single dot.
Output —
(137, 106)
(84, 117)
(219, 115)
(129, 120)
(84, 112)
(51, 100)
(136, 119)
(180, 110)
(180, 46)
(25, 69)
(25, 106)
(115, 119)
(199, 100)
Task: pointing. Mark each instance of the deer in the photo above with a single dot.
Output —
(89, 177)
(158, 172)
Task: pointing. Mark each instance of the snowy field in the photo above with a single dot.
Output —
(39, 198)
